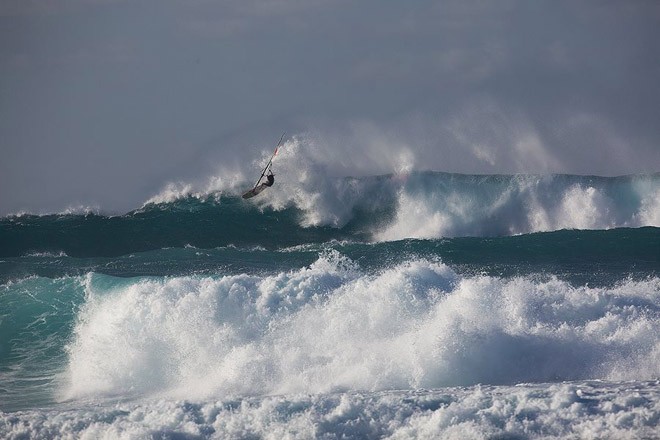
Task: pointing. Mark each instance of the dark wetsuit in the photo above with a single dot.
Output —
(271, 180)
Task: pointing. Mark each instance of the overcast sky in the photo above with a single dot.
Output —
(103, 102)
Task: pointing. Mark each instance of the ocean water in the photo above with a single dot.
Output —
(424, 305)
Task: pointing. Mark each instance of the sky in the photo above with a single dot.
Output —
(103, 103)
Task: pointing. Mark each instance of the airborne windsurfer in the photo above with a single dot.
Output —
(270, 177)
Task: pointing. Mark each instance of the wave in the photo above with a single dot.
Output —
(327, 327)
(382, 208)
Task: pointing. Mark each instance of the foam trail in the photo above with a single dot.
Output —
(331, 327)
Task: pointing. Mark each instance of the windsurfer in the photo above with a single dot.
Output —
(270, 177)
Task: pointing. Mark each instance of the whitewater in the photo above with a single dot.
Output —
(408, 305)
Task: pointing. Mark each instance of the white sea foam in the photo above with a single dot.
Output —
(305, 182)
(519, 205)
(331, 327)
(227, 181)
(649, 212)
(69, 210)
(628, 410)
(432, 205)
(80, 209)
(59, 254)
(171, 192)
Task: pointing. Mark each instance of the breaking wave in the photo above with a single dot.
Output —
(330, 327)
(383, 208)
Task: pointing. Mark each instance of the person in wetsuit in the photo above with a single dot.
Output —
(270, 177)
